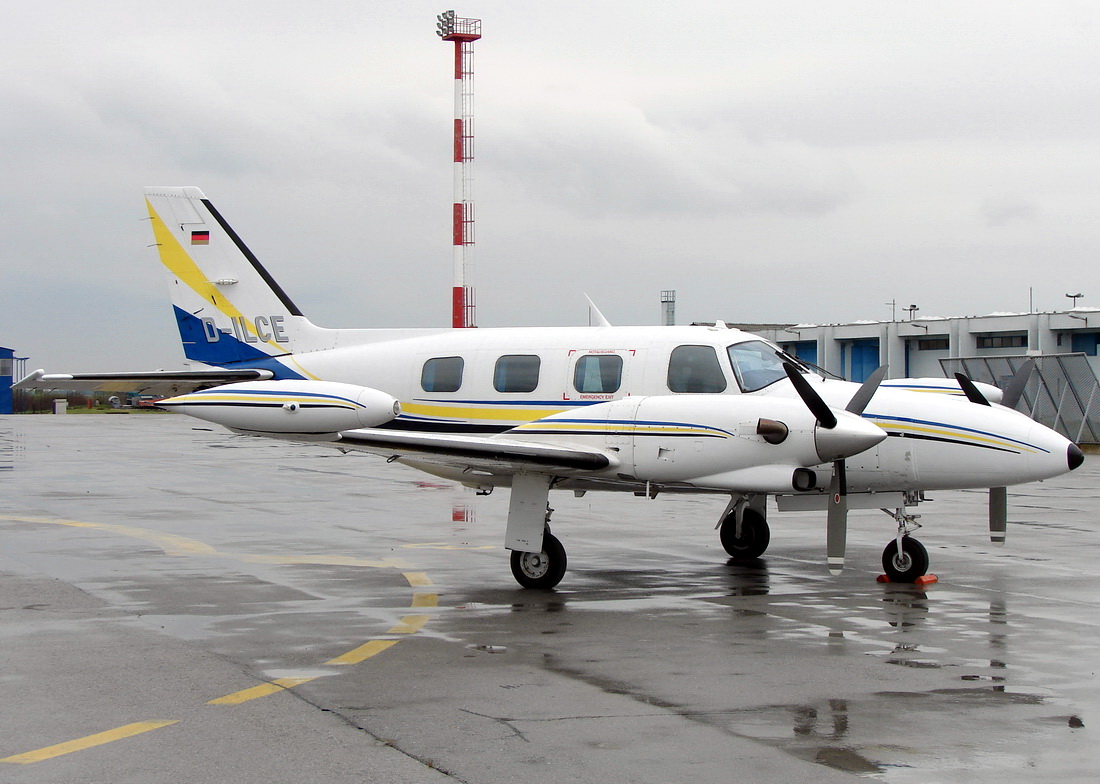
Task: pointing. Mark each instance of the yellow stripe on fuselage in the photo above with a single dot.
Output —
(465, 414)
(630, 428)
(956, 435)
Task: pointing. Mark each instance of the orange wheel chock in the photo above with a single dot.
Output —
(920, 582)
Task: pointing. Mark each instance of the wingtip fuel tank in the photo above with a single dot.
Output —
(288, 407)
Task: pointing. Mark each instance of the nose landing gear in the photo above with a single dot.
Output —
(905, 558)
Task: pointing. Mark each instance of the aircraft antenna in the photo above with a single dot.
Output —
(463, 32)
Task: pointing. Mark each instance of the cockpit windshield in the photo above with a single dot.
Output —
(756, 364)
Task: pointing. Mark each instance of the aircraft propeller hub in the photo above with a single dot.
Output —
(850, 436)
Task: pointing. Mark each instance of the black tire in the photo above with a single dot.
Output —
(909, 565)
(755, 535)
(540, 570)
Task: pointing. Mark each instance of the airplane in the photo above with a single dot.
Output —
(646, 410)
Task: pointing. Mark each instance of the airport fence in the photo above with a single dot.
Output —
(1063, 392)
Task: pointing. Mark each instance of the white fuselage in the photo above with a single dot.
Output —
(451, 381)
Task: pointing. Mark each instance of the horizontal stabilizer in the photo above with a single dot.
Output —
(152, 382)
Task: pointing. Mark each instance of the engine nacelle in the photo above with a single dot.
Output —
(290, 407)
(711, 441)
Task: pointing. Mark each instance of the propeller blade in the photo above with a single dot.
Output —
(973, 394)
(836, 534)
(825, 416)
(998, 514)
(867, 391)
(1014, 389)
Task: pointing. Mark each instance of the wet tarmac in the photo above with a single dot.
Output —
(183, 604)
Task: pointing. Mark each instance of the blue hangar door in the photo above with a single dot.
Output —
(864, 359)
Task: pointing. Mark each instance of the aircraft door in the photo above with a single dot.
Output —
(603, 376)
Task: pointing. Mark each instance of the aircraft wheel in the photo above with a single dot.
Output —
(754, 539)
(540, 570)
(909, 564)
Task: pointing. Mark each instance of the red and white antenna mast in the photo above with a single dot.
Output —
(463, 32)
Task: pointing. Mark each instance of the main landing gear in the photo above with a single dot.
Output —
(540, 570)
(745, 540)
(905, 558)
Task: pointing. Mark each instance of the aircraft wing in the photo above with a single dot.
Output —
(494, 455)
(152, 382)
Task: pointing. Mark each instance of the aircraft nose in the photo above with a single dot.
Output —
(1074, 456)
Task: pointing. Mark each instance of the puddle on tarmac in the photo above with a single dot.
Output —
(837, 733)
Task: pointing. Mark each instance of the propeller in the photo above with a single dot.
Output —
(998, 496)
(836, 534)
(818, 407)
(973, 394)
(1014, 389)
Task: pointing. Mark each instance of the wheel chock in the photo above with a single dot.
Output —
(920, 582)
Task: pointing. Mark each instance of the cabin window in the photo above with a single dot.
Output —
(442, 374)
(695, 369)
(598, 373)
(755, 365)
(516, 373)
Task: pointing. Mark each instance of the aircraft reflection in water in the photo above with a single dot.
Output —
(646, 410)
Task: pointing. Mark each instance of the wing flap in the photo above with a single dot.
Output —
(495, 454)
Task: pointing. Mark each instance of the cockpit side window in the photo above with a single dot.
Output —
(755, 364)
(695, 369)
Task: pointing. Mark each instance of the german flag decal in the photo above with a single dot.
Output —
(201, 237)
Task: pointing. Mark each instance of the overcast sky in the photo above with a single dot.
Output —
(772, 162)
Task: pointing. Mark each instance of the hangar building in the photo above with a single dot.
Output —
(1063, 394)
(7, 369)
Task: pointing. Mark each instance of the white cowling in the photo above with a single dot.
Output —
(290, 407)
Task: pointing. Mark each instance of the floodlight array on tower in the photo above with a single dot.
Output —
(463, 32)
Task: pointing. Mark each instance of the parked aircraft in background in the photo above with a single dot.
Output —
(646, 410)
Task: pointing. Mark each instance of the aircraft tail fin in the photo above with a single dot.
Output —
(228, 307)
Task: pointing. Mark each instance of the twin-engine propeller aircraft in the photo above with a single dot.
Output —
(646, 410)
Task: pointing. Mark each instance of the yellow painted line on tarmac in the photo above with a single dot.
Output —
(87, 742)
(254, 693)
(363, 652)
(418, 579)
(172, 544)
(410, 624)
(175, 545)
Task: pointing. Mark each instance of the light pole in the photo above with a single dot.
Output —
(463, 32)
(1075, 297)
